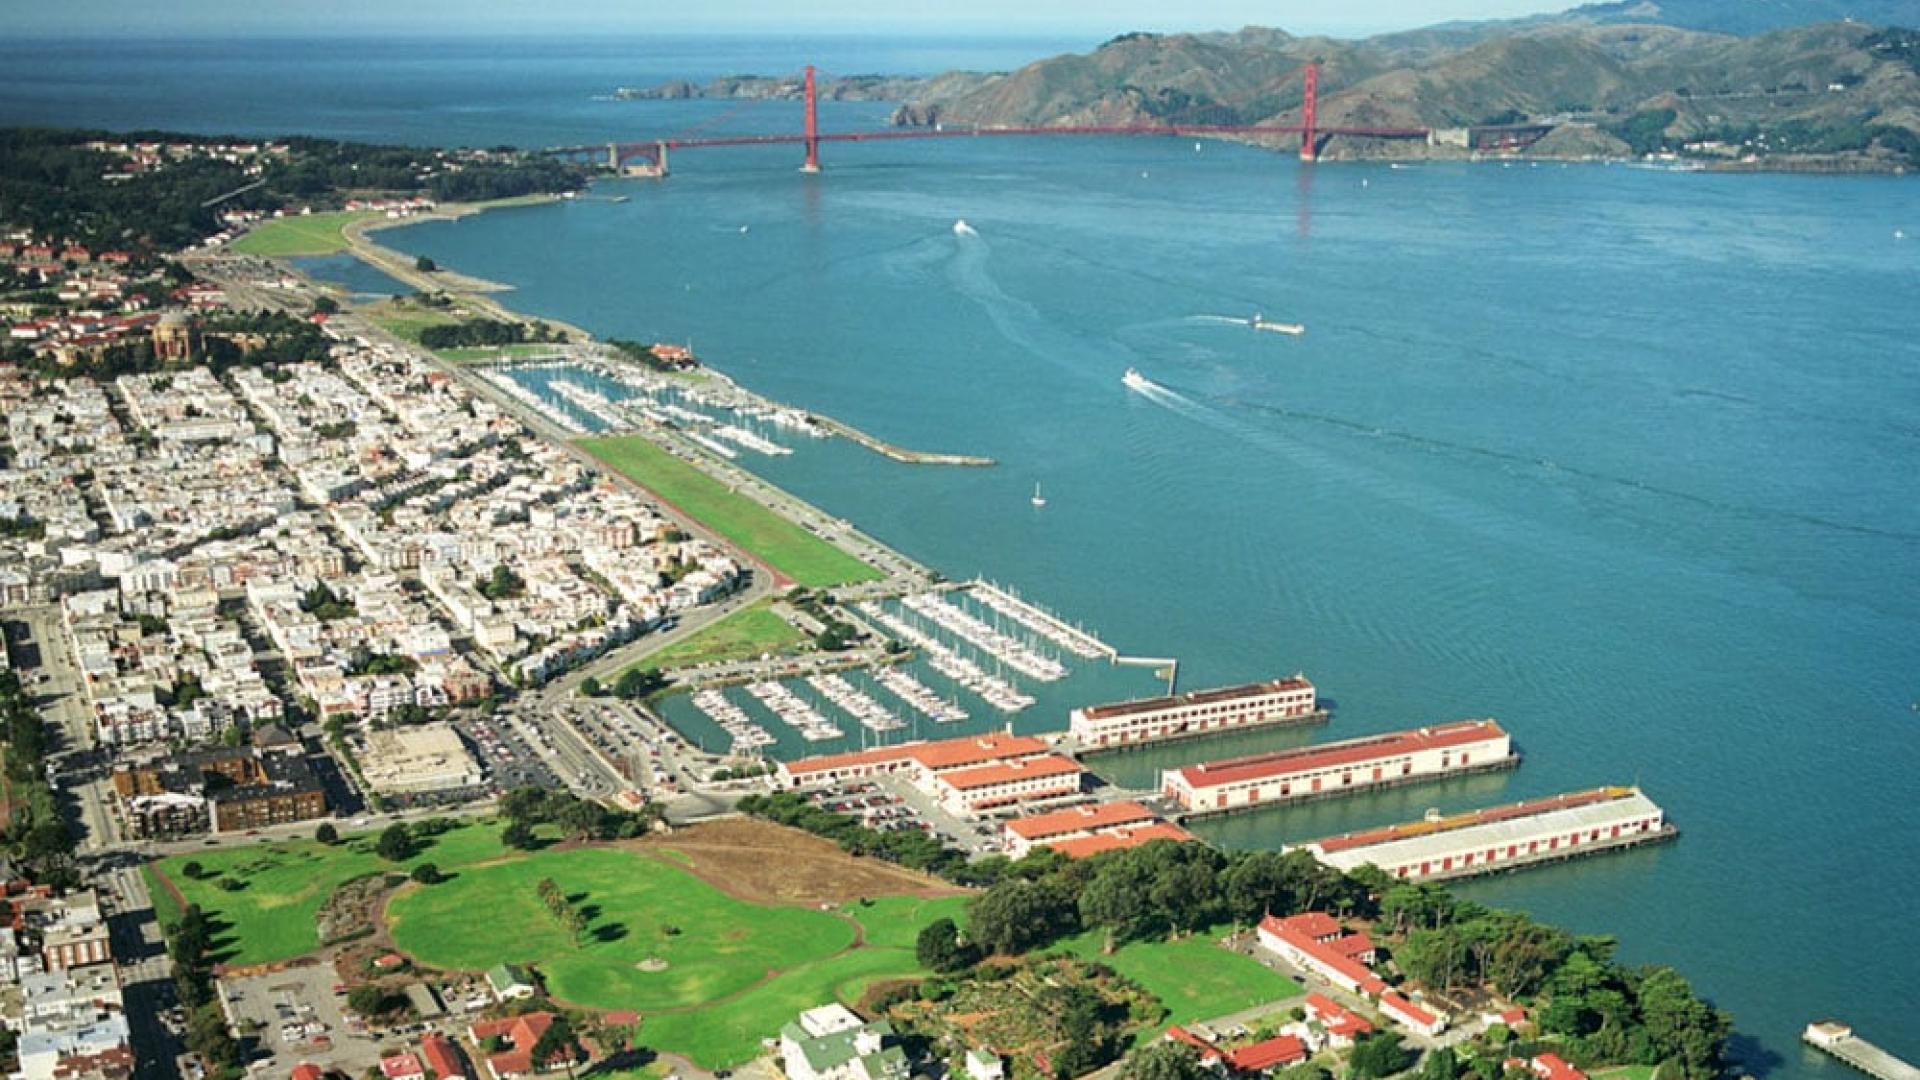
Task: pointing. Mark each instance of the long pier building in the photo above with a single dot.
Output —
(1276, 702)
(1504, 837)
(1309, 772)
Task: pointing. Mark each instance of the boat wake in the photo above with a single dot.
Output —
(1229, 320)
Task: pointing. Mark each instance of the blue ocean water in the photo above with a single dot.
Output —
(1621, 457)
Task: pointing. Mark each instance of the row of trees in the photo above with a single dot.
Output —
(36, 831)
(189, 944)
(571, 919)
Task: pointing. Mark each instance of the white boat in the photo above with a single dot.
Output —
(1133, 380)
(961, 228)
(1038, 499)
(1259, 322)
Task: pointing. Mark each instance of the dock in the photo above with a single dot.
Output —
(1312, 719)
(1838, 1039)
(1511, 761)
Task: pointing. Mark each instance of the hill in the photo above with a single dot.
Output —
(1833, 95)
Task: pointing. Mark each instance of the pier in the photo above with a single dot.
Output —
(1013, 653)
(1042, 622)
(1838, 1039)
(998, 692)
(1080, 748)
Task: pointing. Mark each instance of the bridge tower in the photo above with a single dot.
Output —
(1310, 105)
(613, 157)
(813, 127)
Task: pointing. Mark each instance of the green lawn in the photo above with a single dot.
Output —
(789, 549)
(896, 921)
(271, 917)
(405, 319)
(742, 635)
(495, 352)
(1194, 977)
(635, 906)
(1628, 1072)
(309, 234)
(166, 910)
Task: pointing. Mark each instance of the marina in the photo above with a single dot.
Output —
(855, 702)
(795, 712)
(747, 735)
(1002, 647)
(915, 693)
(1042, 622)
(997, 692)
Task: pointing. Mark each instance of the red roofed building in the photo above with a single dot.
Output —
(402, 1066)
(520, 1033)
(1119, 839)
(307, 1070)
(1551, 1066)
(1329, 768)
(985, 787)
(1398, 1009)
(1265, 1056)
(1022, 834)
(1341, 1024)
(1207, 1051)
(1314, 941)
(443, 1057)
(922, 760)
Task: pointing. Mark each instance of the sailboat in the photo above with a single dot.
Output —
(1038, 499)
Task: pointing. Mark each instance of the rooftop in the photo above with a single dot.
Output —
(1078, 818)
(1198, 697)
(1347, 752)
(1519, 810)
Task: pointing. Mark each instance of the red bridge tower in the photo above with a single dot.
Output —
(813, 127)
(1308, 107)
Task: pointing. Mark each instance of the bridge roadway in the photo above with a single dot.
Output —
(628, 150)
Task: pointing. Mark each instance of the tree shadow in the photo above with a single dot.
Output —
(577, 897)
(591, 912)
(1747, 1053)
(638, 1057)
(609, 932)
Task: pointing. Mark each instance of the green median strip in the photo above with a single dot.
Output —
(789, 549)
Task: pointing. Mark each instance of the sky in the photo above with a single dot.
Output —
(977, 18)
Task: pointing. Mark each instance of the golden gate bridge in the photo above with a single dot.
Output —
(651, 156)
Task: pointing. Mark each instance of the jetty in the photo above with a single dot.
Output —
(900, 453)
(1838, 1039)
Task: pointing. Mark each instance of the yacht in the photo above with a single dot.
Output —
(1133, 380)
(1038, 499)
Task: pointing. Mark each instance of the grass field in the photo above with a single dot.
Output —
(735, 971)
(1194, 977)
(310, 234)
(405, 319)
(742, 635)
(783, 545)
(638, 909)
(283, 885)
(1628, 1072)
(482, 353)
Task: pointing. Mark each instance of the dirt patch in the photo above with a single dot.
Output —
(763, 863)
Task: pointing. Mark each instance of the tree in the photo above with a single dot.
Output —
(519, 834)
(637, 683)
(1440, 1064)
(591, 687)
(425, 265)
(553, 1042)
(1165, 1059)
(325, 305)
(396, 843)
(192, 868)
(369, 1000)
(939, 947)
(326, 833)
(1014, 916)
(1376, 1056)
(429, 874)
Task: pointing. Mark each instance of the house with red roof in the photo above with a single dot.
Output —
(1316, 942)
(307, 1070)
(1265, 1056)
(402, 1066)
(1551, 1066)
(1340, 1025)
(444, 1058)
(1413, 1017)
(1209, 1054)
(520, 1034)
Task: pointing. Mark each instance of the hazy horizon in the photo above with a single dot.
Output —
(984, 19)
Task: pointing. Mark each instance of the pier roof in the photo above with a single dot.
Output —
(1078, 819)
(1197, 697)
(1329, 755)
(1507, 831)
(1529, 809)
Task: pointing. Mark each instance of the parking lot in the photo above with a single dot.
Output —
(299, 1018)
(508, 757)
